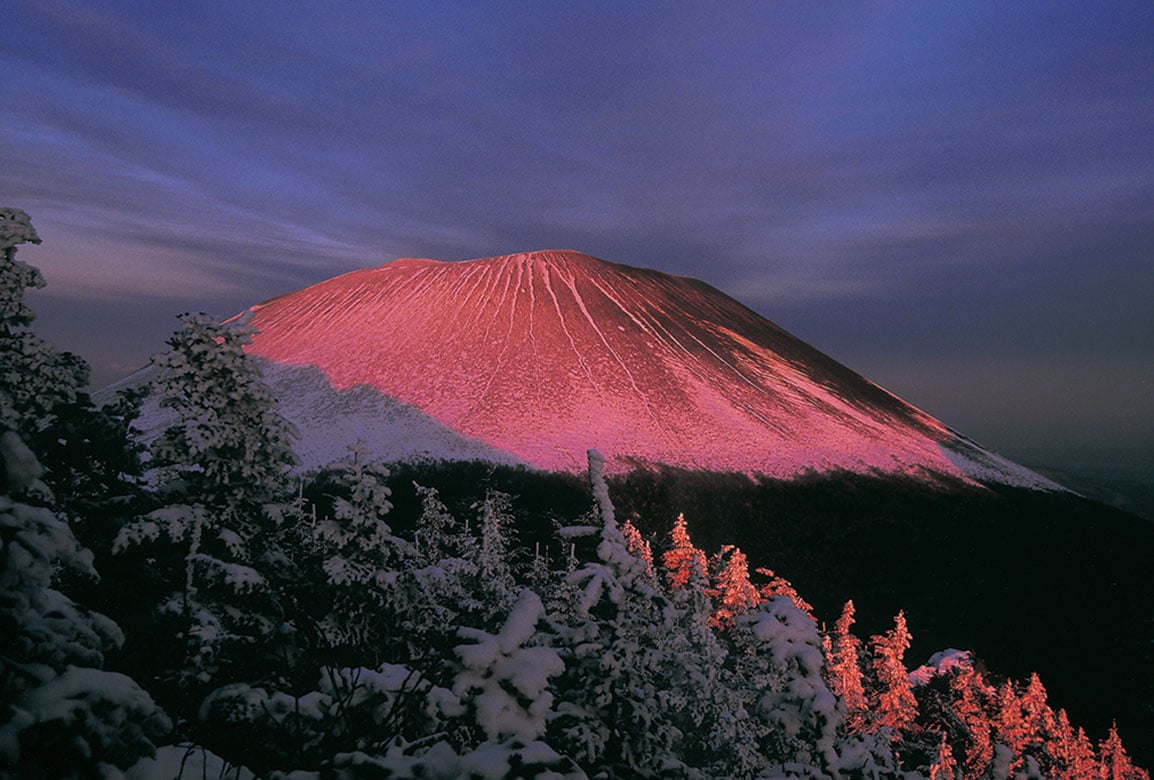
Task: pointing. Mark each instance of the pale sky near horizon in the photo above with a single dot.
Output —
(954, 199)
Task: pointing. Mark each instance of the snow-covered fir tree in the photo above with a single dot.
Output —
(892, 702)
(776, 585)
(720, 734)
(36, 380)
(496, 551)
(61, 715)
(459, 573)
(229, 444)
(732, 591)
(437, 535)
(844, 670)
(780, 658)
(87, 458)
(438, 583)
(683, 561)
(222, 472)
(617, 711)
(360, 556)
(505, 677)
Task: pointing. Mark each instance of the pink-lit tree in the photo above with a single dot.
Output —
(893, 704)
(944, 766)
(777, 585)
(1069, 752)
(682, 561)
(1009, 727)
(972, 702)
(733, 593)
(1115, 763)
(843, 670)
(637, 545)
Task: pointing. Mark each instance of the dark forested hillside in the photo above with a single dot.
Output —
(1030, 581)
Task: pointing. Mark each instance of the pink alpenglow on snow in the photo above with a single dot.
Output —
(543, 355)
(941, 663)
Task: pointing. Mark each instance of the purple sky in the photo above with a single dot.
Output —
(954, 199)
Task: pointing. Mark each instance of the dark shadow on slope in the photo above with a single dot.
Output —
(330, 420)
(978, 463)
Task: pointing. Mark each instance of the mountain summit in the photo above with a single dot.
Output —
(537, 357)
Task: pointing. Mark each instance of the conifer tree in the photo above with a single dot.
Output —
(1069, 753)
(1021, 723)
(504, 686)
(1114, 761)
(229, 445)
(637, 545)
(222, 467)
(458, 576)
(436, 536)
(972, 704)
(1009, 727)
(1035, 710)
(615, 711)
(720, 734)
(88, 459)
(440, 585)
(360, 557)
(505, 676)
(495, 581)
(682, 561)
(944, 766)
(732, 592)
(893, 704)
(60, 714)
(1083, 757)
(779, 656)
(776, 585)
(36, 381)
(844, 670)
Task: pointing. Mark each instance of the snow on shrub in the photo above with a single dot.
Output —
(782, 661)
(59, 715)
(505, 682)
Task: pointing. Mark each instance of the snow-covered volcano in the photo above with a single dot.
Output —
(535, 358)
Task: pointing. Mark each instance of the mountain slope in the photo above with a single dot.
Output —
(537, 357)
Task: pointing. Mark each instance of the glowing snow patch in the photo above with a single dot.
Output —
(941, 662)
